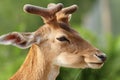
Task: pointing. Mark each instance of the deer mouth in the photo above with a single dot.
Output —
(97, 63)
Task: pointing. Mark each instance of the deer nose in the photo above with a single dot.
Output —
(102, 57)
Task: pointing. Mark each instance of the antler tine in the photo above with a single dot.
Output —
(67, 10)
(64, 15)
(44, 12)
(70, 10)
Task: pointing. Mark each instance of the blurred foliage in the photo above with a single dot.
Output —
(13, 17)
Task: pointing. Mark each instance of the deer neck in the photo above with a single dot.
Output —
(36, 67)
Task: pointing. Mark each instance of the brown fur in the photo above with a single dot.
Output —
(35, 66)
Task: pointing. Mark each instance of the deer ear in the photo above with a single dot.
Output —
(21, 40)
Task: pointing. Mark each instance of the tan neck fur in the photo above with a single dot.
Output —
(36, 67)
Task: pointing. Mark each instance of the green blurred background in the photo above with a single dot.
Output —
(98, 21)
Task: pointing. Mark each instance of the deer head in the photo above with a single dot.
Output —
(61, 45)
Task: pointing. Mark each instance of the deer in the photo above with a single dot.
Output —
(55, 44)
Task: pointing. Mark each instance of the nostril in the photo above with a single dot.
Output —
(102, 57)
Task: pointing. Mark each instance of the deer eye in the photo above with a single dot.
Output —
(63, 38)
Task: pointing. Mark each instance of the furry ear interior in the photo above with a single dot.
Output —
(21, 40)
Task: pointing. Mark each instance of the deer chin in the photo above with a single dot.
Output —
(95, 65)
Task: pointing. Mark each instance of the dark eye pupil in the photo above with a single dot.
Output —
(63, 39)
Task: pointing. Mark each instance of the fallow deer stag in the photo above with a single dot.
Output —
(53, 45)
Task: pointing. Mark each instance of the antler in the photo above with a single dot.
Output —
(48, 14)
(64, 14)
